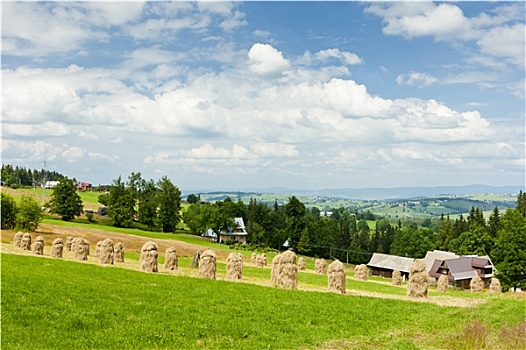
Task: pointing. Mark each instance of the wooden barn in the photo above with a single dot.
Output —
(383, 265)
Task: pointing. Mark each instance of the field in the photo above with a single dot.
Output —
(63, 304)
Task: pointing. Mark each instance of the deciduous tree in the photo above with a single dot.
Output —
(65, 201)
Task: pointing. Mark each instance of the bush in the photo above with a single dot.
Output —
(89, 216)
(29, 214)
(9, 211)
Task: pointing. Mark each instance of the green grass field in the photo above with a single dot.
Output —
(56, 304)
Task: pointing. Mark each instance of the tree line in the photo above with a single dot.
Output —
(21, 177)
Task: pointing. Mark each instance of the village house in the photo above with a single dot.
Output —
(237, 235)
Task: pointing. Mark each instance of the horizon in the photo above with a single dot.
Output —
(319, 95)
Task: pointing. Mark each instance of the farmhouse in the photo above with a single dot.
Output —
(383, 265)
(51, 184)
(238, 234)
(461, 270)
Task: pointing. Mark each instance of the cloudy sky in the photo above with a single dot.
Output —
(311, 95)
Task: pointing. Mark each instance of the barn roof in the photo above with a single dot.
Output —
(391, 262)
(437, 255)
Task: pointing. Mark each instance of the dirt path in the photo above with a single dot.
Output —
(134, 243)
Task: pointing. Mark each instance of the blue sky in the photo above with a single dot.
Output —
(237, 95)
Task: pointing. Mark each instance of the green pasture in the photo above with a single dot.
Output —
(56, 304)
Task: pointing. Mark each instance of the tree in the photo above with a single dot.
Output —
(148, 200)
(9, 211)
(509, 253)
(475, 241)
(29, 214)
(193, 199)
(65, 201)
(120, 204)
(192, 220)
(295, 213)
(521, 203)
(304, 243)
(169, 201)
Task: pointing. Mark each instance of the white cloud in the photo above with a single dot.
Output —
(266, 60)
(271, 150)
(346, 57)
(416, 79)
(73, 153)
(506, 42)
(496, 34)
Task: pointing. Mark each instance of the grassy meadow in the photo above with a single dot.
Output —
(60, 304)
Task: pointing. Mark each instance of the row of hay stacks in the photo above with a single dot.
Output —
(284, 269)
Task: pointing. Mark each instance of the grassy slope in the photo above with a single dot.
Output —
(51, 303)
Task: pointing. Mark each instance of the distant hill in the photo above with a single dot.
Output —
(379, 193)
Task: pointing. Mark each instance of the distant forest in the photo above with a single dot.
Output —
(21, 177)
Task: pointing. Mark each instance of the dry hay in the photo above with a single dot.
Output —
(234, 266)
(80, 248)
(336, 277)
(261, 260)
(417, 285)
(195, 260)
(396, 278)
(361, 272)
(118, 252)
(57, 248)
(97, 249)
(171, 262)
(69, 241)
(442, 283)
(148, 258)
(301, 264)
(275, 270)
(18, 239)
(288, 271)
(38, 247)
(25, 243)
(320, 266)
(106, 252)
(207, 264)
(495, 286)
(476, 285)
(253, 258)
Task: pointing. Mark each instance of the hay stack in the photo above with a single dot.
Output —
(336, 277)
(417, 285)
(234, 266)
(261, 260)
(361, 272)
(171, 262)
(69, 242)
(18, 239)
(97, 249)
(275, 270)
(207, 264)
(288, 271)
(80, 248)
(148, 258)
(119, 252)
(253, 258)
(320, 266)
(396, 278)
(106, 252)
(57, 248)
(442, 283)
(301, 264)
(25, 243)
(476, 285)
(495, 286)
(195, 261)
(38, 247)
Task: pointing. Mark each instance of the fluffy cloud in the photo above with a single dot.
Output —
(266, 60)
(496, 34)
(416, 79)
(348, 58)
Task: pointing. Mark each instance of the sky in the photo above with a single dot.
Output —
(246, 95)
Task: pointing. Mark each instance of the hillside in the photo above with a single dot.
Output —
(62, 303)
